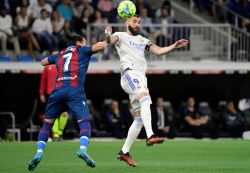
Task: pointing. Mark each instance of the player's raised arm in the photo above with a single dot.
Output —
(111, 39)
(164, 50)
(102, 45)
(99, 46)
(51, 59)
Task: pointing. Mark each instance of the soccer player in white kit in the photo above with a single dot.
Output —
(131, 49)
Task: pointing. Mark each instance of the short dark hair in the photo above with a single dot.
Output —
(136, 15)
(43, 10)
(3, 8)
(72, 38)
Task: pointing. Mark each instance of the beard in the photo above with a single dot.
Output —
(133, 31)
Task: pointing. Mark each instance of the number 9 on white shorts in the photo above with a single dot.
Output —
(134, 83)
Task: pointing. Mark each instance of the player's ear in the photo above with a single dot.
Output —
(126, 23)
(81, 42)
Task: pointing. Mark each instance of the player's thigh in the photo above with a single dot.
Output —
(54, 108)
(78, 107)
(134, 85)
(133, 82)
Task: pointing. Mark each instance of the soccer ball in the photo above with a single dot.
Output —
(126, 9)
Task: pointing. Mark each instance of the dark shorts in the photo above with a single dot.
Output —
(67, 99)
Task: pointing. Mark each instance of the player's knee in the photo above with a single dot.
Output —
(145, 100)
(137, 114)
(64, 114)
(85, 129)
(50, 121)
(141, 95)
(83, 120)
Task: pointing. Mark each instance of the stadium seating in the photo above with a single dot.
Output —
(5, 59)
(32, 128)
(205, 108)
(169, 107)
(93, 59)
(25, 59)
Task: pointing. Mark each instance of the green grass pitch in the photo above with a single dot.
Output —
(219, 156)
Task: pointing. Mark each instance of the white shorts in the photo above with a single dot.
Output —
(134, 83)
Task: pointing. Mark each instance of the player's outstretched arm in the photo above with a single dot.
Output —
(99, 46)
(102, 45)
(51, 59)
(164, 50)
(108, 40)
(111, 39)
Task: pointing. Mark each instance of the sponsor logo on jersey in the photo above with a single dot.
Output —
(67, 78)
(140, 46)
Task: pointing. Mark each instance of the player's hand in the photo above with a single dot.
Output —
(181, 43)
(204, 119)
(108, 30)
(42, 98)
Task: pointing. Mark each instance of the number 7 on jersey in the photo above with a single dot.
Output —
(68, 57)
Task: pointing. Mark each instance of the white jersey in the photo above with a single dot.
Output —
(131, 50)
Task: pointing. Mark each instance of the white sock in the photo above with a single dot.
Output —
(83, 147)
(39, 151)
(133, 133)
(146, 115)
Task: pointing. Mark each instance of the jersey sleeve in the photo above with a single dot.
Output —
(86, 50)
(148, 43)
(52, 59)
(119, 35)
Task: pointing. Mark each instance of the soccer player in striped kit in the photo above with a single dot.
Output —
(72, 65)
(47, 84)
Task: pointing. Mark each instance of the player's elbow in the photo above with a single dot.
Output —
(45, 62)
(159, 51)
(102, 45)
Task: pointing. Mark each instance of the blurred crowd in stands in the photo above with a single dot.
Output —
(38, 24)
(193, 119)
(237, 14)
(225, 10)
(190, 119)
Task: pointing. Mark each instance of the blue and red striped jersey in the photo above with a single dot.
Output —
(72, 65)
